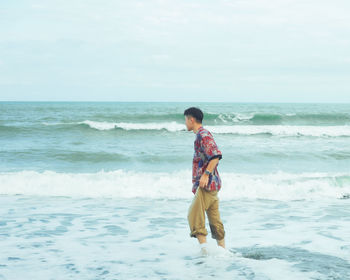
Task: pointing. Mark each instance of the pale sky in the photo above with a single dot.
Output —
(183, 50)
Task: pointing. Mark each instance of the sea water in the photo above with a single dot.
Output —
(101, 190)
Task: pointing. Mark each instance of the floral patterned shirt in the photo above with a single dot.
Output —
(205, 149)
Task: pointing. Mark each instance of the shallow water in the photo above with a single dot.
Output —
(101, 190)
(100, 238)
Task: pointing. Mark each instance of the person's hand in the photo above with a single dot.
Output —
(203, 182)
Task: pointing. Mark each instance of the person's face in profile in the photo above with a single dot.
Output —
(189, 122)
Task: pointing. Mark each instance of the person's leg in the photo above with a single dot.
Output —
(196, 217)
(221, 243)
(201, 238)
(215, 223)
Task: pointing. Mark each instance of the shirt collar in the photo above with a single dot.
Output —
(201, 128)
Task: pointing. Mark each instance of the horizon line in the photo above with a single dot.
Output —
(114, 101)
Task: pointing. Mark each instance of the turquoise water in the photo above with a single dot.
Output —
(113, 180)
(88, 137)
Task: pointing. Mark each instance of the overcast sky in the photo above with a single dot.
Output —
(183, 50)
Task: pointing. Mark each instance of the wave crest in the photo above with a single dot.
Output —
(175, 185)
(277, 130)
(170, 126)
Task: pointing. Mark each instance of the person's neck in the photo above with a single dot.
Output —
(197, 127)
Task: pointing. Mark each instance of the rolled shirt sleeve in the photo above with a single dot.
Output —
(210, 148)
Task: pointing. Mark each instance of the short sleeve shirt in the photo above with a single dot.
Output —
(205, 149)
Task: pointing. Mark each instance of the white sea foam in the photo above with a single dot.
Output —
(170, 126)
(242, 117)
(175, 185)
(277, 130)
(280, 130)
(236, 118)
(99, 125)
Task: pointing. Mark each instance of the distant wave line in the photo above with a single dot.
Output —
(279, 130)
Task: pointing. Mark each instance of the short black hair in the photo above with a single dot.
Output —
(194, 112)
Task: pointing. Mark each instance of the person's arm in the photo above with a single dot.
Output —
(212, 164)
(203, 182)
(205, 177)
(213, 154)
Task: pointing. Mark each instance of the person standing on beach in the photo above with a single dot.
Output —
(206, 182)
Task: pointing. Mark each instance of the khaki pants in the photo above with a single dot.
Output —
(205, 201)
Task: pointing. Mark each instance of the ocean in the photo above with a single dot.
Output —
(101, 190)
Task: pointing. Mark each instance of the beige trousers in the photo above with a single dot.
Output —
(207, 201)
